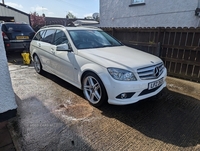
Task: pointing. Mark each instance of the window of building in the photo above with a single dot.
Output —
(137, 2)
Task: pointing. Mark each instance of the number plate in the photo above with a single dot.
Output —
(22, 37)
(155, 84)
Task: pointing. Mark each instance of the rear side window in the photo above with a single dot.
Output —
(48, 37)
(40, 35)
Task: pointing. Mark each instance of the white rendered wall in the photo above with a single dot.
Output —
(7, 96)
(155, 13)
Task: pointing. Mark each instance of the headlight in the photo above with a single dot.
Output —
(121, 74)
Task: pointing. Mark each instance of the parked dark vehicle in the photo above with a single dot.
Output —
(17, 36)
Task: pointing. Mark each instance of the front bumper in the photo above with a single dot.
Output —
(137, 89)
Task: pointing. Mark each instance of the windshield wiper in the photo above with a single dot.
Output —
(103, 46)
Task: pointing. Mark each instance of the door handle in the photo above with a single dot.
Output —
(52, 51)
(39, 45)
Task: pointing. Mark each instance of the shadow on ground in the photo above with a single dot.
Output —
(169, 116)
(63, 83)
(36, 128)
(14, 58)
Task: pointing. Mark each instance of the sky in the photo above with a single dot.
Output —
(56, 8)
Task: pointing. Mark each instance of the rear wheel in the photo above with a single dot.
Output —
(94, 90)
(37, 64)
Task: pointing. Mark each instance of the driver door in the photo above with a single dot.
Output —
(62, 62)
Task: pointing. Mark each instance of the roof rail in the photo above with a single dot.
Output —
(91, 27)
(53, 26)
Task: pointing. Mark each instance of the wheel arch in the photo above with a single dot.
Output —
(34, 54)
(87, 68)
(91, 71)
(104, 96)
(84, 73)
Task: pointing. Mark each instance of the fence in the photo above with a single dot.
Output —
(177, 47)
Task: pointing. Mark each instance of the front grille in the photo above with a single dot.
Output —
(151, 72)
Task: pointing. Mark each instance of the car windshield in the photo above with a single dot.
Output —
(86, 39)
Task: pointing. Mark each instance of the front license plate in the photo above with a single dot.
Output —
(22, 37)
(155, 84)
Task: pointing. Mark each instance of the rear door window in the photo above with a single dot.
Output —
(40, 35)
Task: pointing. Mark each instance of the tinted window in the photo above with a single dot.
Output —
(84, 39)
(48, 37)
(18, 28)
(16, 31)
(40, 35)
(60, 38)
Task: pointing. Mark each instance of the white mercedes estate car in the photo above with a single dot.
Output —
(92, 60)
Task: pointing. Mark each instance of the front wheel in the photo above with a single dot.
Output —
(94, 90)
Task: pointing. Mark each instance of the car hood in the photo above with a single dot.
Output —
(120, 57)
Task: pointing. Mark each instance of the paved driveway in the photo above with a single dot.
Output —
(53, 115)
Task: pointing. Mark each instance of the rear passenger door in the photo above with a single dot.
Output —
(46, 52)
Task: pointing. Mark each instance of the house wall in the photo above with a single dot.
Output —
(155, 13)
(11, 12)
(7, 96)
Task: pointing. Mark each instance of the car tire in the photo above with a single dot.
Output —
(37, 64)
(94, 90)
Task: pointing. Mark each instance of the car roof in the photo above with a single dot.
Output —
(83, 28)
(70, 27)
(15, 23)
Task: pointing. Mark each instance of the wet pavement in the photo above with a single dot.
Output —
(53, 115)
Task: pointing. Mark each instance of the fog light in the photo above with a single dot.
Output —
(125, 95)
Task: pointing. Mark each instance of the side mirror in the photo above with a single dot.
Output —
(63, 47)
